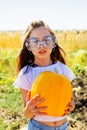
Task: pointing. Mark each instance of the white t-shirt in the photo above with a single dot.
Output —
(27, 75)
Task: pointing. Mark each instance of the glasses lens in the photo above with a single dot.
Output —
(34, 44)
(49, 42)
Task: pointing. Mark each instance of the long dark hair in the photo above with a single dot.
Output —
(26, 57)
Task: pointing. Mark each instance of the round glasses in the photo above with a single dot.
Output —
(34, 44)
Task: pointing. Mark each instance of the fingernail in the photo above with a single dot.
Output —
(45, 107)
(42, 99)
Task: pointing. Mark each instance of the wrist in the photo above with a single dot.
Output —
(28, 113)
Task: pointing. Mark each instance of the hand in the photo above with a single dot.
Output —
(70, 107)
(31, 110)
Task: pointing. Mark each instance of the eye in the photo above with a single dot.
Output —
(32, 40)
(48, 38)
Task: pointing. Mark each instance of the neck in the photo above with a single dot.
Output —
(43, 62)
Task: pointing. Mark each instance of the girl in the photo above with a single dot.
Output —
(40, 52)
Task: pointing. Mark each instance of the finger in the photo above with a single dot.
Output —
(72, 98)
(35, 98)
(40, 108)
(68, 108)
(32, 103)
(72, 107)
(36, 111)
(38, 102)
(67, 112)
(72, 103)
(41, 113)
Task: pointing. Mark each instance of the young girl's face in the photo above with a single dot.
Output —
(41, 43)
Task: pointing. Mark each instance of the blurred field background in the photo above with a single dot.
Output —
(74, 44)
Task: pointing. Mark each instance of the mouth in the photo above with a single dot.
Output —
(42, 51)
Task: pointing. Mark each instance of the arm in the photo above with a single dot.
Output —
(24, 93)
(71, 105)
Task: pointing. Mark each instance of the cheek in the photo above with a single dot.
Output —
(50, 51)
(34, 52)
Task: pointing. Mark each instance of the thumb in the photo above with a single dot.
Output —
(28, 96)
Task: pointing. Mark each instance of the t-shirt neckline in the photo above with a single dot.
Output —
(35, 65)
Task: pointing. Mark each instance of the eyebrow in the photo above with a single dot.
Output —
(32, 37)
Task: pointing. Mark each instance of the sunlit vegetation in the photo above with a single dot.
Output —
(69, 40)
(11, 108)
(10, 39)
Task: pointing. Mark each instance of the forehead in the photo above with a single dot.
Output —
(39, 32)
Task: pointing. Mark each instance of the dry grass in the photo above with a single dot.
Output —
(69, 40)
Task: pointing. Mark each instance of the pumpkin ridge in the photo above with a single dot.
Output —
(56, 89)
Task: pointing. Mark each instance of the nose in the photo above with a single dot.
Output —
(41, 44)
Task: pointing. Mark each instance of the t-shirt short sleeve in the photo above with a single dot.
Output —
(26, 78)
(65, 70)
(69, 73)
(22, 82)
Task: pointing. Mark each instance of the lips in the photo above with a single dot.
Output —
(42, 51)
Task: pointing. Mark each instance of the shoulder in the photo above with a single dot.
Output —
(23, 79)
(25, 70)
(63, 66)
(65, 70)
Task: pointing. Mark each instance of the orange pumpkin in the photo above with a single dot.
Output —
(56, 89)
